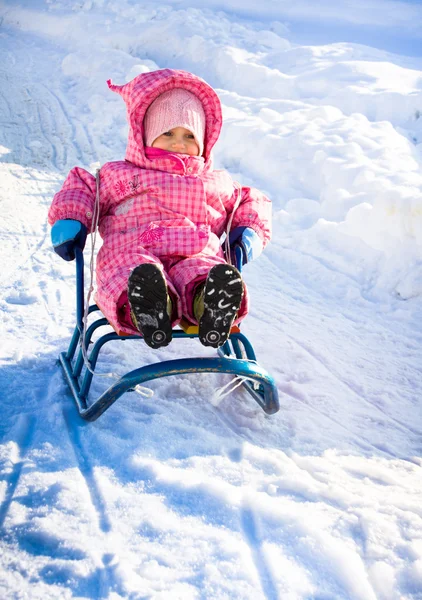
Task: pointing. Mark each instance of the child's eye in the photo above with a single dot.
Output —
(190, 136)
(168, 133)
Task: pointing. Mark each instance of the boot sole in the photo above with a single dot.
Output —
(147, 294)
(222, 297)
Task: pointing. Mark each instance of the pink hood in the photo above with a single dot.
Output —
(144, 89)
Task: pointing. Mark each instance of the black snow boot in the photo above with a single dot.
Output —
(217, 306)
(150, 304)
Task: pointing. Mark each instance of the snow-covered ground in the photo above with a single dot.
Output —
(177, 496)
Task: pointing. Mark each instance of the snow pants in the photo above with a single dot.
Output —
(182, 275)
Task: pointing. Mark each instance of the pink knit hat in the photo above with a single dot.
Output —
(175, 108)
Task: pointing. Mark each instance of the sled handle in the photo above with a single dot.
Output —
(238, 257)
(80, 298)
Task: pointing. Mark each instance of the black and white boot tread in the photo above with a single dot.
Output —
(147, 294)
(223, 293)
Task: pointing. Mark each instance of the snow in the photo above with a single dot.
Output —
(183, 494)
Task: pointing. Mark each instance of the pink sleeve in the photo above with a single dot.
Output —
(254, 211)
(76, 198)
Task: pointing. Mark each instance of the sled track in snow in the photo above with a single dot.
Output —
(250, 529)
(107, 578)
(249, 520)
(87, 472)
(358, 440)
(22, 436)
(72, 128)
(403, 426)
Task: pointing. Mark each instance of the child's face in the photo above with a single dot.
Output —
(179, 140)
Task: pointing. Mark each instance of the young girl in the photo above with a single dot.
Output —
(162, 212)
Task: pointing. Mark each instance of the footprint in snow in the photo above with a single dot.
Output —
(21, 298)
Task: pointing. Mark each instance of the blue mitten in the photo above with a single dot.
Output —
(249, 242)
(66, 235)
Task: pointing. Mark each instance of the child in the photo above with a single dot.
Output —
(162, 212)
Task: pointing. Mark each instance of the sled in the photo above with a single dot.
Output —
(235, 357)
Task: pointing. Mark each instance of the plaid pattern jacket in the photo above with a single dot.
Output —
(160, 206)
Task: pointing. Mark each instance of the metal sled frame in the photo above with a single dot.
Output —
(236, 357)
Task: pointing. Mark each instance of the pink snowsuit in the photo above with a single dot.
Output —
(160, 207)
